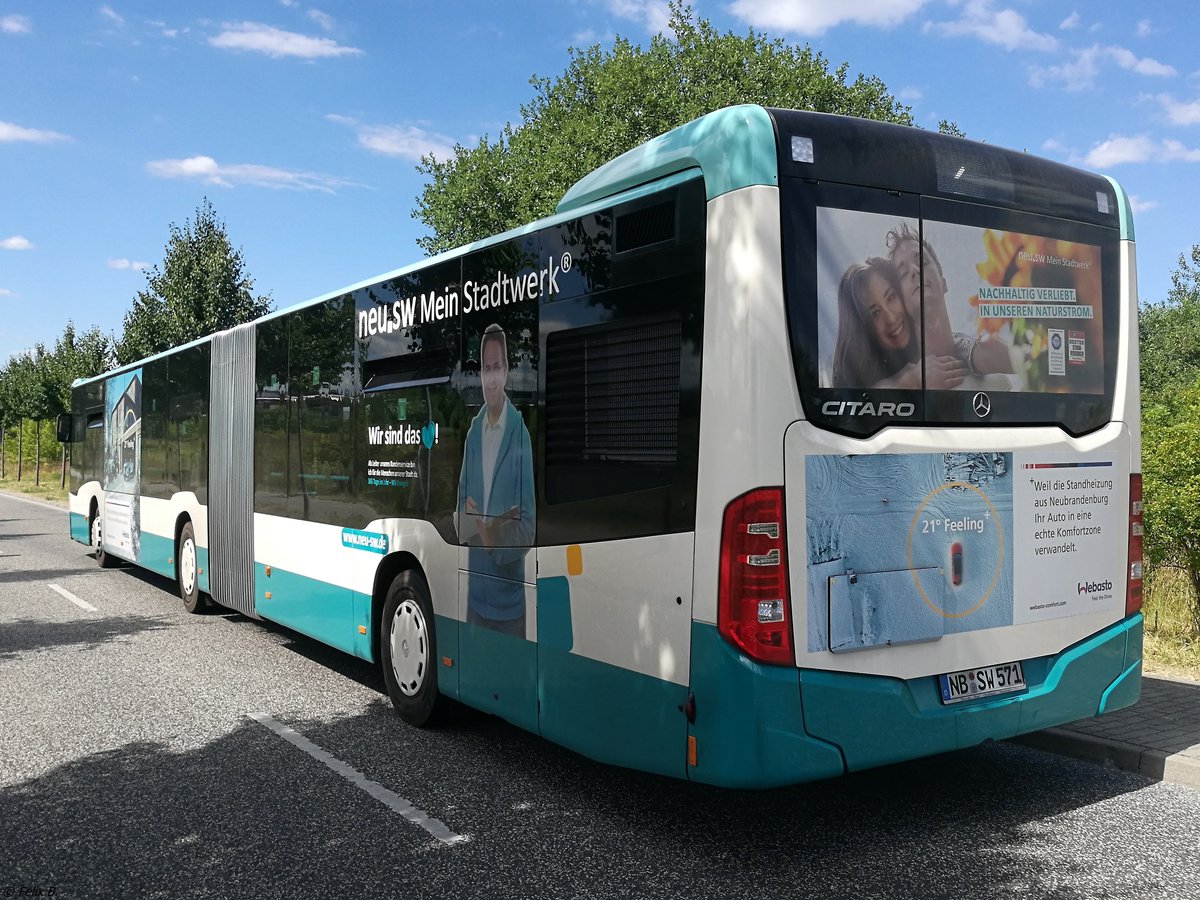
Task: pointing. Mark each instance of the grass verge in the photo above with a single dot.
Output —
(48, 490)
(1171, 645)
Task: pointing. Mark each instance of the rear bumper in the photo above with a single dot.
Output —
(762, 726)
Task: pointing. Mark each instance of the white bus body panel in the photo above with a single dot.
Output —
(318, 552)
(749, 391)
(644, 628)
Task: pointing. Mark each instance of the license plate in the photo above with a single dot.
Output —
(1001, 679)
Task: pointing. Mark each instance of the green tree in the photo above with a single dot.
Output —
(74, 356)
(607, 102)
(1169, 332)
(1171, 485)
(23, 396)
(201, 288)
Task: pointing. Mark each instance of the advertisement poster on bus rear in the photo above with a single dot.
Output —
(908, 304)
(905, 548)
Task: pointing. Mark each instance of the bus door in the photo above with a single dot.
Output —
(495, 508)
(498, 668)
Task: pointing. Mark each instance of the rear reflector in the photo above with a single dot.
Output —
(753, 612)
(1133, 592)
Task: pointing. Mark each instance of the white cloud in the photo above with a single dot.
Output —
(815, 17)
(1071, 21)
(128, 264)
(1127, 59)
(1139, 205)
(1120, 149)
(653, 14)
(109, 13)
(910, 94)
(407, 141)
(16, 242)
(10, 133)
(5, 292)
(209, 171)
(277, 43)
(1179, 112)
(323, 19)
(15, 24)
(1144, 28)
(1006, 28)
(1081, 71)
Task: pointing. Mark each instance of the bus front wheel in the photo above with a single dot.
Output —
(186, 572)
(408, 649)
(96, 528)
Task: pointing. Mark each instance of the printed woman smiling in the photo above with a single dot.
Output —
(877, 341)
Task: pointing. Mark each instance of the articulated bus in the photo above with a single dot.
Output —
(790, 445)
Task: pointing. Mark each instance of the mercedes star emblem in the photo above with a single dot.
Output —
(982, 404)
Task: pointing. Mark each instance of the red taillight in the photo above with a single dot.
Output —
(752, 596)
(1133, 592)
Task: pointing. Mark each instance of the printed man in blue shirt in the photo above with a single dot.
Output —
(495, 498)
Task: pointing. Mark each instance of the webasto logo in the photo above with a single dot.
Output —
(435, 306)
(858, 408)
(1094, 587)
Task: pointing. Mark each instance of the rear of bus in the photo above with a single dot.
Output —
(920, 455)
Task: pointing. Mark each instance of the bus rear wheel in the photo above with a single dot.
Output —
(408, 649)
(187, 573)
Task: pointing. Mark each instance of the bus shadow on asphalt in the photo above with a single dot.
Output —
(26, 575)
(358, 670)
(192, 820)
(33, 635)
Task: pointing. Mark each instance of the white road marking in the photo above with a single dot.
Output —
(388, 798)
(82, 604)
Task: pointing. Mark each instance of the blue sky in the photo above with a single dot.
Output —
(303, 122)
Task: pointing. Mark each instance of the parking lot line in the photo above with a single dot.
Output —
(82, 604)
(388, 798)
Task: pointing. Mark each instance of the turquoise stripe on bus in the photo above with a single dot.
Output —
(1124, 210)
(323, 611)
(603, 711)
(447, 647)
(498, 674)
(554, 628)
(202, 568)
(908, 719)
(733, 147)
(749, 726)
(1123, 692)
(157, 554)
(612, 714)
(79, 529)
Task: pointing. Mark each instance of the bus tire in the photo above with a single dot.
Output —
(96, 530)
(408, 649)
(187, 573)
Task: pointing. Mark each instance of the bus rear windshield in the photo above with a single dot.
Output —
(907, 308)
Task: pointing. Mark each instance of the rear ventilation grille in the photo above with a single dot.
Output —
(646, 226)
(612, 409)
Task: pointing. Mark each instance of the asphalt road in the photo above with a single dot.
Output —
(148, 753)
